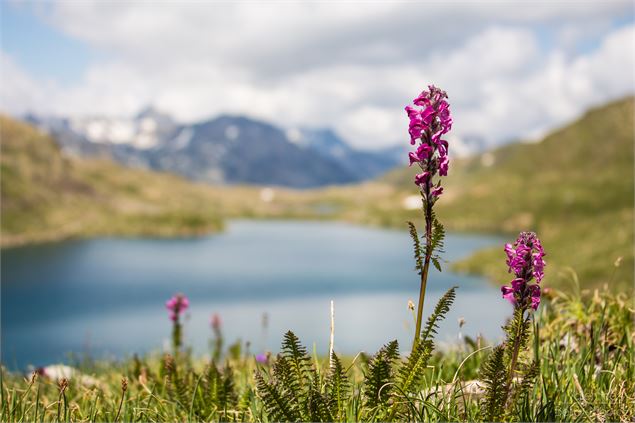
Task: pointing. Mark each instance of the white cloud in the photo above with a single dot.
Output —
(352, 66)
(18, 92)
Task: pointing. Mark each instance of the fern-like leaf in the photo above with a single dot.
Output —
(337, 388)
(417, 247)
(518, 332)
(380, 373)
(276, 404)
(494, 377)
(436, 261)
(521, 390)
(412, 371)
(227, 396)
(297, 360)
(441, 309)
(317, 405)
(438, 236)
(178, 388)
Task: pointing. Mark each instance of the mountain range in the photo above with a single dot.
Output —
(223, 150)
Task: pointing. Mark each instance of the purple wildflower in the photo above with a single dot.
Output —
(525, 260)
(262, 358)
(430, 119)
(215, 321)
(177, 305)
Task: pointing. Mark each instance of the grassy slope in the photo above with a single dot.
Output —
(575, 188)
(46, 196)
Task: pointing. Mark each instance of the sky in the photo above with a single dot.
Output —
(512, 69)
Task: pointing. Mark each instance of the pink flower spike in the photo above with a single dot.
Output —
(177, 305)
(215, 321)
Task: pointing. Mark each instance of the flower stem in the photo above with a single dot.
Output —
(176, 336)
(422, 295)
(426, 264)
(514, 358)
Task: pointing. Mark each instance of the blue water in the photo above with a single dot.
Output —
(106, 296)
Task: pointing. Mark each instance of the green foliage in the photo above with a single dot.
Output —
(440, 310)
(47, 196)
(507, 377)
(273, 397)
(411, 372)
(494, 377)
(518, 331)
(295, 392)
(582, 368)
(437, 242)
(417, 247)
(338, 389)
(379, 378)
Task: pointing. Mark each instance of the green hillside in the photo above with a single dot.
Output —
(46, 196)
(575, 188)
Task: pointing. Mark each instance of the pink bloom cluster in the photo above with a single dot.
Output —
(177, 305)
(430, 119)
(525, 260)
(215, 321)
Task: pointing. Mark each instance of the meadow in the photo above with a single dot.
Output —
(584, 342)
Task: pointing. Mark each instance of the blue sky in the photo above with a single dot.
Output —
(349, 66)
(41, 49)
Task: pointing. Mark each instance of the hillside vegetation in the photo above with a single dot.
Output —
(46, 196)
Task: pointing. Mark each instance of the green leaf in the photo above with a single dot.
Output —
(417, 247)
(380, 373)
(494, 377)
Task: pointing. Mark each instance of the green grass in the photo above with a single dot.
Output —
(585, 347)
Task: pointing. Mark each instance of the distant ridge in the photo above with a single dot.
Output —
(224, 150)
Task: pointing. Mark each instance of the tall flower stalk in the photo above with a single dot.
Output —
(177, 306)
(507, 377)
(525, 260)
(430, 120)
(216, 344)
